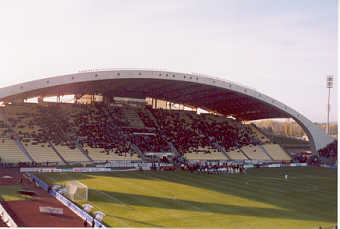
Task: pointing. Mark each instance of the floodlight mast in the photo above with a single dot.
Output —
(329, 86)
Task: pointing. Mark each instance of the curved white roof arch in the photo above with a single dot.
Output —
(205, 91)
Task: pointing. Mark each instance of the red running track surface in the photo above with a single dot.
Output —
(26, 213)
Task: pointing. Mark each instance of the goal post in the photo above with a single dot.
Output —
(76, 190)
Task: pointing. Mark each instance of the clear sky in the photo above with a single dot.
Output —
(282, 48)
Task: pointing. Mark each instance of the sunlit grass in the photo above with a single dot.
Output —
(261, 199)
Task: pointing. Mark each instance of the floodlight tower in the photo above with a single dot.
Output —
(329, 86)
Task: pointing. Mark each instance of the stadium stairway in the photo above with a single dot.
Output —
(244, 154)
(10, 152)
(17, 142)
(263, 137)
(76, 141)
(152, 117)
(56, 151)
(112, 127)
(70, 154)
(221, 150)
(266, 152)
(266, 146)
(173, 148)
(255, 153)
(138, 151)
(80, 147)
(133, 117)
(23, 149)
(235, 154)
(277, 152)
(82, 150)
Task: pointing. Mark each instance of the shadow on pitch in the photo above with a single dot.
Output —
(135, 221)
(293, 203)
(126, 199)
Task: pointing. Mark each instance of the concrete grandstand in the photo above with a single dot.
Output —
(115, 130)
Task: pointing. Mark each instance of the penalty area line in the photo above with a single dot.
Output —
(114, 198)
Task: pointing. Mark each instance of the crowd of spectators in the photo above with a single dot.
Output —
(181, 133)
(300, 158)
(4, 164)
(106, 127)
(203, 168)
(150, 143)
(194, 131)
(41, 125)
(146, 119)
(213, 169)
(330, 151)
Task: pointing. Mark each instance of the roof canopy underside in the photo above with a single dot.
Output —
(205, 96)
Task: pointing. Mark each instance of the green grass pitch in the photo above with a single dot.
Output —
(260, 199)
(10, 193)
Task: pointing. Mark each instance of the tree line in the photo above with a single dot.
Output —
(290, 128)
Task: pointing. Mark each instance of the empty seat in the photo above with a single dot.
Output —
(276, 152)
(205, 153)
(10, 152)
(255, 152)
(236, 154)
(71, 155)
(42, 153)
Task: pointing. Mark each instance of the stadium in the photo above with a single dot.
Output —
(150, 148)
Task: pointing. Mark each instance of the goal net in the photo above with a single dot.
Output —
(76, 190)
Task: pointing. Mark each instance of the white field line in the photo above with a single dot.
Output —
(103, 210)
(115, 199)
(109, 196)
